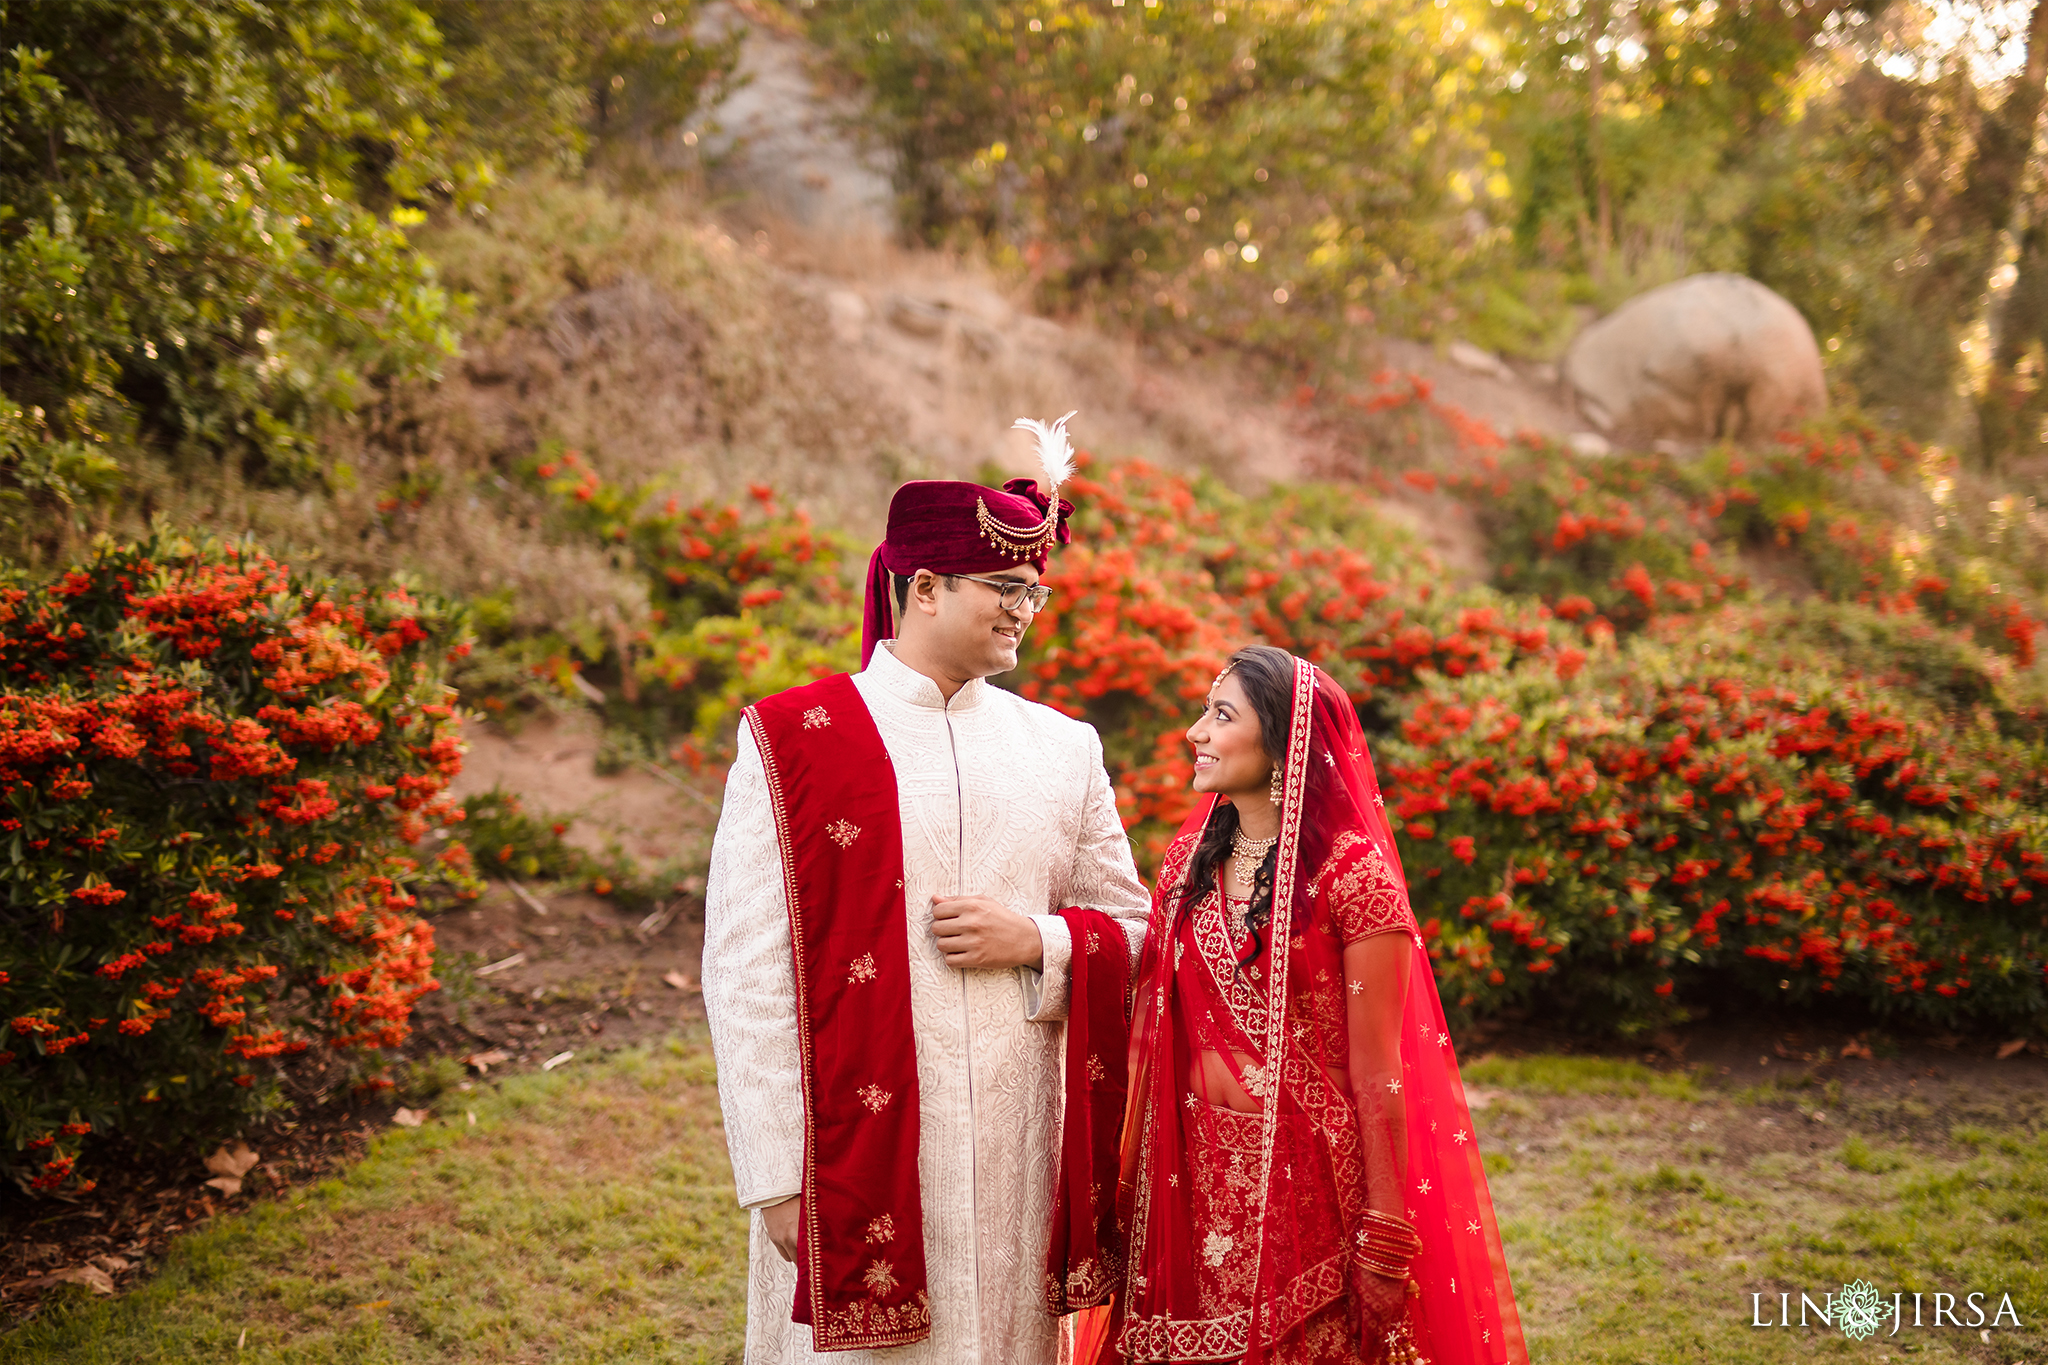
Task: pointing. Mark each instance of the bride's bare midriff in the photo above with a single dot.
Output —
(1213, 1077)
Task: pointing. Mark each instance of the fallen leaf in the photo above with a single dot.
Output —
(551, 1063)
(229, 1165)
(1856, 1048)
(234, 1161)
(2011, 1049)
(679, 981)
(375, 1303)
(410, 1118)
(502, 965)
(91, 1276)
(484, 1061)
(1476, 1098)
(113, 1265)
(657, 920)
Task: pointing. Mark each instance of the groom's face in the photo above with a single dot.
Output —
(970, 629)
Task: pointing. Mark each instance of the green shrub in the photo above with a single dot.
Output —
(509, 842)
(206, 249)
(744, 601)
(213, 772)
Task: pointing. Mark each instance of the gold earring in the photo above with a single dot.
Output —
(1277, 788)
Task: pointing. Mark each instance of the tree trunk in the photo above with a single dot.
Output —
(2007, 138)
(1596, 145)
(2009, 408)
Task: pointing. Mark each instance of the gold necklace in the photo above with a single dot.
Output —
(1249, 853)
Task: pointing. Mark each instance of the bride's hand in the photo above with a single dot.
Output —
(1381, 1301)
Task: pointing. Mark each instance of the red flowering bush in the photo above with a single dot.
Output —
(1166, 576)
(1850, 512)
(211, 775)
(744, 601)
(1716, 805)
(1615, 787)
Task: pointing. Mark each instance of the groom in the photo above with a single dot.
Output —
(917, 933)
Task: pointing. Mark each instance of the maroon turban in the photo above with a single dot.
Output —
(950, 527)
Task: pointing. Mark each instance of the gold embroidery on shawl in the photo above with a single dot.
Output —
(843, 832)
(881, 1277)
(871, 1326)
(817, 718)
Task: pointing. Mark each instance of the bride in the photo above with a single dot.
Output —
(1300, 1178)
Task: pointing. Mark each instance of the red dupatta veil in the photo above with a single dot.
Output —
(1300, 1173)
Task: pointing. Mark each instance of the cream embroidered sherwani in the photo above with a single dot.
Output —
(1000, 797)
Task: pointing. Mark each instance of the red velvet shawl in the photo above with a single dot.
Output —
(1084, 1258)
(861, 1280)
(861, 1275)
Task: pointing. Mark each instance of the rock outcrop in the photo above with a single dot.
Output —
(1706, 358)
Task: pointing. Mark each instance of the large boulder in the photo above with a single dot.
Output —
(1705, 358)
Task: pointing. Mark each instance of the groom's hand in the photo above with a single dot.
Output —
(974, 931)
(782, 1221)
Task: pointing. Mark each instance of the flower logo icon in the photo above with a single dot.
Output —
(1858, 1309)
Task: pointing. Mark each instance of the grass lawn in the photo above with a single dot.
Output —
(587, 1216)
(1642, 1211)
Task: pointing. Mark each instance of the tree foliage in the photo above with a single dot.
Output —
(1479, 169)
(203, 240)
(1252, 169)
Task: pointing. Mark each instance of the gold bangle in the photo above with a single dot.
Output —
(1386, 1256)
(1407, 1245)
(1389, 1221)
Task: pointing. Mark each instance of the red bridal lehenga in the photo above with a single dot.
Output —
(1253, 1169)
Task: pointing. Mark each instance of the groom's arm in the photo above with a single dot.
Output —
(1100, 876)
(750, 991)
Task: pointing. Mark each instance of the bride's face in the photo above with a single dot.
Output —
(1228, 755)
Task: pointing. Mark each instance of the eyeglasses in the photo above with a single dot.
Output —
(1014, 594)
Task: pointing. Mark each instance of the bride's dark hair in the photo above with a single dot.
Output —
(1267, 676)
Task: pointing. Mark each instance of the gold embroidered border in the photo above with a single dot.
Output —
(1286, 868)
(1212, 941)
(778, 803)
(1225, 1338)
(1387, 905)
(1173, 871)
